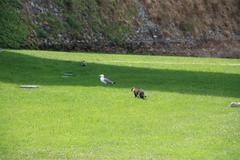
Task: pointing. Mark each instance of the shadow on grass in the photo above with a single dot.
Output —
(23, 69)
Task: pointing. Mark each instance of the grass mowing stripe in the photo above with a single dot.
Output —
(166, 63)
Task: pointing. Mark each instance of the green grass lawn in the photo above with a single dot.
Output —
(186, 115)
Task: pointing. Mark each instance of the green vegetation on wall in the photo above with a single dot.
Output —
(78, 19)
(13, 31)
(110, 17)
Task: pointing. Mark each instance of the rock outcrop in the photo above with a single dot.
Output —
(187, 27)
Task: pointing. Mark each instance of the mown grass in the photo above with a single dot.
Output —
(185, 116)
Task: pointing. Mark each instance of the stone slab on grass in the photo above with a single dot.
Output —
(68, 74)
(235, 104)
(29, 86)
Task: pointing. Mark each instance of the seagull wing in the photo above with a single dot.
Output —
(108, 81)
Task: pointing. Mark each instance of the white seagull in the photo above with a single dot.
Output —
(105, 80)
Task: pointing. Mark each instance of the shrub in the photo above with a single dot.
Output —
(186, 26)
(41, 33)
(13, 31)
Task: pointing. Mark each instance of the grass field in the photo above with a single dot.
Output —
(186, 115)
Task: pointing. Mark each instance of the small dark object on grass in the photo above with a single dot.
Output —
(138, 92)
(235, 104)
(29, 86)
(83, 63)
